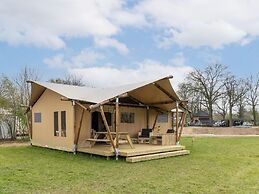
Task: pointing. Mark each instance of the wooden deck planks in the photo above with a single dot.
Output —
(102, 150)
(126, 150)
(157, 156)
(149, 149)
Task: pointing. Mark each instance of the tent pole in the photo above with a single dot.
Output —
(76, 135)
(147, 117)
(182, 125)
(74, 119)
(28, 123)
(179, 125)
(154, 124)
(177, 118)
(173, 120)
(107, 128)
(79, 130)
(117, 122)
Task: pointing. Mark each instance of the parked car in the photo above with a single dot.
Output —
(224, 123)
(247, 124)
(238, 122)
(217, 124)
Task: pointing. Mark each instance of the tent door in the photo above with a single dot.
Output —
(97, 122)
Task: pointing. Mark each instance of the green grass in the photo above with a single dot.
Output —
(215, 165)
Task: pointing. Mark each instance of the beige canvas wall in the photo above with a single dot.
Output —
(43, 133)
(85, 131)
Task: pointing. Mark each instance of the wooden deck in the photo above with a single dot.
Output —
(143, 150)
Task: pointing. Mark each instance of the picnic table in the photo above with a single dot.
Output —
(121, 135)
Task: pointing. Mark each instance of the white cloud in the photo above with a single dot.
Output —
(109, 42)
(85, 58)
(186, 23)
(106, 76)
(178, 60)
(204, 22)
(46, 23)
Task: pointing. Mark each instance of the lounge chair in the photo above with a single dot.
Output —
(143, 135)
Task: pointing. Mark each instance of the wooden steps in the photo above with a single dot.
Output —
(148, 150)
(157, 156)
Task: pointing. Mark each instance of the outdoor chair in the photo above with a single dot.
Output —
(170, 131)
(143, 135)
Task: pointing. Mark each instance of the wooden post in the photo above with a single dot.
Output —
(182, 125)
(74, 118)
(79, 129)
(147, 117)
(117, 122)
(177, 118)
(76, 138)
(155, 122)
(107, 128)
(29, 125)
(179, 124)
(173, 120)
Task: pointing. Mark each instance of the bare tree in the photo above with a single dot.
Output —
(222, 106)
(23, 87)
(193, 97)
(252, 94)
(24, 94)
(241, 103)
(208, 83)
(235, 90)
(69, 80)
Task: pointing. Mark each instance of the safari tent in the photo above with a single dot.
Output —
(133, 121)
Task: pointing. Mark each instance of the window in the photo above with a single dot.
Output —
(63, 123)
(127, 117)
(37, 117)
(56, 132)
(162, 118)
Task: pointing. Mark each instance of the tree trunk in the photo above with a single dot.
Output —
(224, 115)
(254, 115)
(230, 116)
(210, 112)
(241, 112)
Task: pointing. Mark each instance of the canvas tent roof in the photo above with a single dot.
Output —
(158, 93)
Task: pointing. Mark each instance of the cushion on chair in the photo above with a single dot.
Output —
(145, 133)
(170, 131)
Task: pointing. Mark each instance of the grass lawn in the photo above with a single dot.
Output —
(215, 165)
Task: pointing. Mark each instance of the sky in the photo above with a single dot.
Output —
(115, 42)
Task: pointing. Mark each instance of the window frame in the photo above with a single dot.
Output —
(63, 125)
(56, 124)
(161, 118)
(36, 118)
(127, 117)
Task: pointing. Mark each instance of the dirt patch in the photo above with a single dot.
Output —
(14, 144)
(221, 131)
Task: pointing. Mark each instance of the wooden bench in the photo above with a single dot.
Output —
(107, 140)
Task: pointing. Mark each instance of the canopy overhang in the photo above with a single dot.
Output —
(158, 94)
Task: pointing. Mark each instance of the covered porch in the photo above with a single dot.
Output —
(149, 100)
